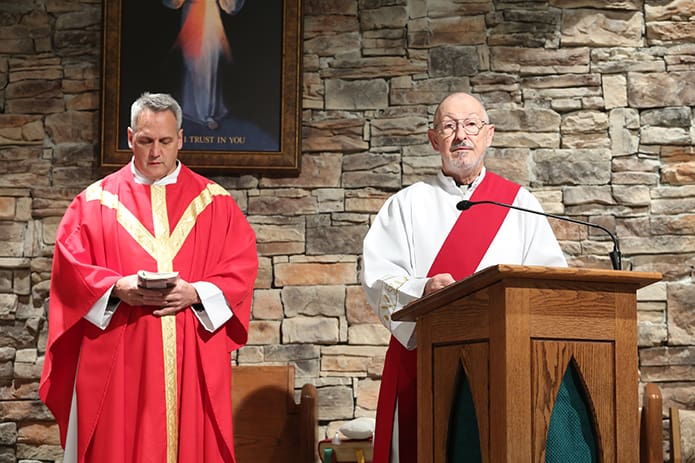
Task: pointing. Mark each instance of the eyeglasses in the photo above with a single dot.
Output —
(470, 126)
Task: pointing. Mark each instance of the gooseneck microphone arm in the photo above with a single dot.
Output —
(614, 254)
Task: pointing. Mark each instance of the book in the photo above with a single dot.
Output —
(157, 280)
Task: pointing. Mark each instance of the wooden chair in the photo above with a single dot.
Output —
(682, 435)
(269, 426)
(651, 427)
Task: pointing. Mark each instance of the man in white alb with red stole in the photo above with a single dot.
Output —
(143, 375)
(419, 242)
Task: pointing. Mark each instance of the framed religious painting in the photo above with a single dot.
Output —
(233, 66)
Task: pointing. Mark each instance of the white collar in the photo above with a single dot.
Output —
(466, 189)
(168, 180)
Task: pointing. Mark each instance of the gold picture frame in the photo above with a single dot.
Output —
(260, 132)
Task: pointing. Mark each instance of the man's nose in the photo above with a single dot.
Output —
(460, 134)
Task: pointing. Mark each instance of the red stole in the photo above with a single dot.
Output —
(461, 253)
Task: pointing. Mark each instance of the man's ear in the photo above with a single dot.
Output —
(490, 134)
(130, 138)
(434, 141)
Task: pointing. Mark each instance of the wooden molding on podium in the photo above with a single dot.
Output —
(514, 331)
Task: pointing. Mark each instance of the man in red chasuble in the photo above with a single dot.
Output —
(133, 374)
(420, 242)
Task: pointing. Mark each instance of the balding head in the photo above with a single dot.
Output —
(461, 102)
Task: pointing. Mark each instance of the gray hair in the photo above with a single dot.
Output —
(155, 102)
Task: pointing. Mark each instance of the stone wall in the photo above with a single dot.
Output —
(593, 104)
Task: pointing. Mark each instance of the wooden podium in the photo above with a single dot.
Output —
(514, 331)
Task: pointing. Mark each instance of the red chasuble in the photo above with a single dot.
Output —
(115, 228)
(460, 255)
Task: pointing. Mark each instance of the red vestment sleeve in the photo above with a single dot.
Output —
(75, 287)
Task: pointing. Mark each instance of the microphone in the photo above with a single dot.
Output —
(614, 254)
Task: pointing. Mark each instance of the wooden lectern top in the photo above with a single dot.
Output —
(530, 273)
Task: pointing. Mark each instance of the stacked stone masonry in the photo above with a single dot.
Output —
(593, 104)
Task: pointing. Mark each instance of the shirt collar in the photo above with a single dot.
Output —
(466, 189)
(168, 180)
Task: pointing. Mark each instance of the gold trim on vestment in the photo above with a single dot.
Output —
(160, 221)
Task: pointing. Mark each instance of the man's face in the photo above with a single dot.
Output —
(155, 143)
(462, 153)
